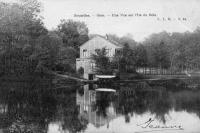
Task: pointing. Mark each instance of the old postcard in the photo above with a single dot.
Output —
(99, 66)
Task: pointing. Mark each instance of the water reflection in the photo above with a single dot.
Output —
(96, 107)
(40, 107)
(162, 101)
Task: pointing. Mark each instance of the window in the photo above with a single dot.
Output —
(84, 52)
(117, 51)
(97, 50)
(92, 65)
(108, 51)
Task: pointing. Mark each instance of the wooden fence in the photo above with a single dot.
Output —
(157, 71)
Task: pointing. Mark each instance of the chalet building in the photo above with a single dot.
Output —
(88, 49)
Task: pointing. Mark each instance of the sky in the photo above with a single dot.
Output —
(139, 27)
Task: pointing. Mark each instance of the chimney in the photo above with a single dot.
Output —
(107, 36)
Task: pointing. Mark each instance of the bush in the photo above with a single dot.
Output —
(81, 71)
(64, 68)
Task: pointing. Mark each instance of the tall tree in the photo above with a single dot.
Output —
(74, 33)
(126, 59)
(102, 62)
(20, 26)
(161, 55)
(141, 56)
(48, 47)
(127, 39)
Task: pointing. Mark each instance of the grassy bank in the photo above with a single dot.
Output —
(26, 78)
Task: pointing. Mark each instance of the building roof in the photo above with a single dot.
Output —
(116, 43)
(107, 39)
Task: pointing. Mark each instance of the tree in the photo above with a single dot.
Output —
(20, 22)
(103, 64)
(158, 47)
(20, 26)
(73, 33)
(127, 39)
(177, 51)
(81, 71)
(141, 56)
(161, 55)
(126, 59)
(48, 48)
(67, 58)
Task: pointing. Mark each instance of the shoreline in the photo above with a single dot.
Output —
(81, 80)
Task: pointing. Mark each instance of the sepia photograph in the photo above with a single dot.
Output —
(99, 66)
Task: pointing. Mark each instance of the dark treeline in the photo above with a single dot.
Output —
(27, 47)
(172, 52)
(177, 51)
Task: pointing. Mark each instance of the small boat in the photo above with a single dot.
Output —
(188, 74)
(105, 90)
(105, 78)
(192, 73)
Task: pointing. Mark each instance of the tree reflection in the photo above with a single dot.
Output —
(29, 108)
(68, 111)
(187, 100)
(156, 98)
(103, 102)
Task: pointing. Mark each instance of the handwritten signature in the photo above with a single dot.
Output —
(151, 125)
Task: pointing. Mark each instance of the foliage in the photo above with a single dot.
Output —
(67, 56)
(26, 46)
(160, 55)
(73, 33)
(81, 70)
(125, 60)
(140, 56)
(20, 26)
(47, 50)
(127, 39)
(175, 51)
(103, 64)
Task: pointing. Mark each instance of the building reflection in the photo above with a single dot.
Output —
(70, 109)
(91, 106)
(99, 108)
(3, 108)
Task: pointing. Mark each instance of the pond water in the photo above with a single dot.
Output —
(156, 106)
